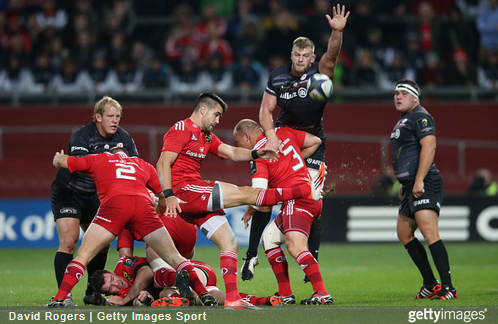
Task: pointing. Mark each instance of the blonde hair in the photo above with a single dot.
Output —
(303, 42)
(100, 106)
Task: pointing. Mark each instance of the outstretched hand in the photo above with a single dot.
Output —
(339, 18)
(173, 206)
(268, 153)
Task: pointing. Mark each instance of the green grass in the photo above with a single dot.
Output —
(367, 281)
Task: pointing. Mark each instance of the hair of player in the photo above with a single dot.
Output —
(210, 100)
(98, 280)
(409, 82)
(117, 149)
(100, 106)
(246, 125)
(303, 42)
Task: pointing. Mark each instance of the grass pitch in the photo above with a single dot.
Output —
(370, 283)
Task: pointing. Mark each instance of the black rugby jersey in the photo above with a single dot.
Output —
(87, 140)
(405, 142)
(297, 110)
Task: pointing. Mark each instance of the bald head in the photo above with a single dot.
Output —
(246, 133)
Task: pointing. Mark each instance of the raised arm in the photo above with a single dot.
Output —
(337, 23)
(268, 105)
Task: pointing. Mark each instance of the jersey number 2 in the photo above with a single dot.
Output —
(123, 171)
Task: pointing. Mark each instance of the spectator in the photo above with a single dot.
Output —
(187, 79)
(41, 77)
(250, 38)
(141, 55)
(216, 77)
(209, 24)
(432, 74)
(70, 79)
(365, 73)
(124, 15)
(157, 75)
(415, 57)
(245, 73)
(454, 32)
(239, 19)
(129, 77)
(103, 77)
(57, 52)
(84, 49)
(118, 48)
(426, 26)
(284, 30)
(461, 72)
(487, 25)
(488, 72)
(215, 45)
(13, 75)
(394, 72)
(51, 15)
(483, 184)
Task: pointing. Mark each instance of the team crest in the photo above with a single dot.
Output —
(209, 138)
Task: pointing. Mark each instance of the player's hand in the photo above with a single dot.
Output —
(340, 17)
(268, 153)
(273, 143)
(247, 216)
(418, 189)
(173, 206)
(145, 298)
(55, 161)
(116, 300)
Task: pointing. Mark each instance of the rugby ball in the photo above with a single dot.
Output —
(319, 87)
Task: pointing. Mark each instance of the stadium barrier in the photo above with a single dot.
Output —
(28, 223)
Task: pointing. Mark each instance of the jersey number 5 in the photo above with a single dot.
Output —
(296, 156)
(123, 170)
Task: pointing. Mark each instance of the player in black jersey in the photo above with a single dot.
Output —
(286, 88)
(74, 197)
(413, 142)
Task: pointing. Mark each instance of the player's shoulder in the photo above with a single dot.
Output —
(281, 70)
(184, 125)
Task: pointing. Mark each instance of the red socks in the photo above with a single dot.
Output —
(309, 265)
(195, 282)
(280, 267)
(74, 272)
(273, 196)
(165, 277)
(228, 266)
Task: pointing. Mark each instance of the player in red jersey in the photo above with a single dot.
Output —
(293, 223)
(185, 146)
(122, 183)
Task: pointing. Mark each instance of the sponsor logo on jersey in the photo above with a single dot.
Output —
(78, 148)
(302, 92)
(421, 202)
(195, 154)
(395, 134)
(287, 95)
(68, 210)
(127, 277)
(130, 262)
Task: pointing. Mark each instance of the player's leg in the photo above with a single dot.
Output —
(97, 263)
(427, 220)
(296, 243)
(405, 229)
(94, 240)
(160, 241)
(218, 230)
(273, 238)
(259, 220)
(234, 196)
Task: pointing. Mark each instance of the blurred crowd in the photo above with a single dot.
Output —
(215, 45)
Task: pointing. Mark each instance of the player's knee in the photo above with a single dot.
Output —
(271, 237)
(68, 245)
